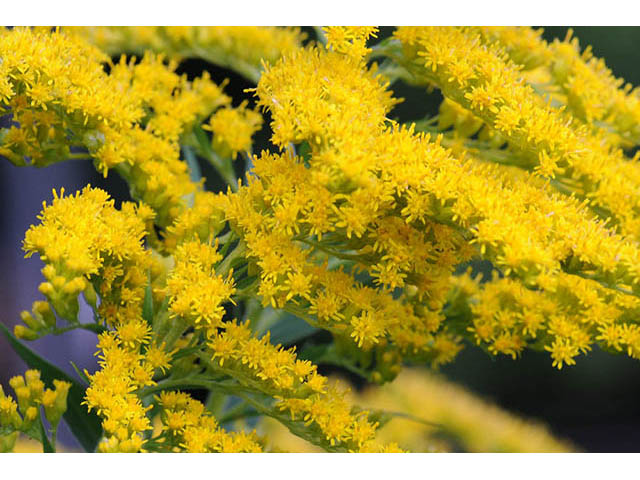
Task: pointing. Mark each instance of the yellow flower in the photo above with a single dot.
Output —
(232, 130)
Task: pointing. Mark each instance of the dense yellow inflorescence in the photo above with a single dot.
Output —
(427, 413)
(350, 40)
(89, 246)
(232, 130)
(526, 235)
(241, 48)
(566, 315)
(124, 368)
(197, 295)
(302, 394)
(189, 425)
(354, 223)
(294, 273)
(480, 77)
(131, 119)
(588, 87)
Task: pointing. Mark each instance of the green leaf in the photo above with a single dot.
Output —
(194, 167)
(291, 329)
(85, 426)
(80, 373)
(327, 354)
(203, 139)
(147, 306)
(285, 327)
(304, 152)
(46, 444)
(246, 282)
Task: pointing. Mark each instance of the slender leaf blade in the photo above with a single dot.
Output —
(46, 444)
(147, 306)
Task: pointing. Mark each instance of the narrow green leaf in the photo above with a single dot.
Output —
(326, 354)
(194, 167)
(246, 282)
(147, 306)
(46, 444)
(304, 152)
(85, 426)
(203, 139)
(80, 373)
(290, 329)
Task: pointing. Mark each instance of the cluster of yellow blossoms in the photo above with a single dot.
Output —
(25, 415)
(242, 49)
(131, 119)
(89, 246)
(566, 315)
(478, 75)
(188, 424)
(354, 223)
(426, 413)
(197, 293)
(578, 79)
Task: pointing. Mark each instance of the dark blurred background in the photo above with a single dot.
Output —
(594, 404)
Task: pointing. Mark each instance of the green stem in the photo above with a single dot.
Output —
(78, 156)
(199, 140)
(241, 410)
(92, 327)
(195, 382)
(215, 403)
(389, 47)
(224, 167)
(178, 327)
(335, 253)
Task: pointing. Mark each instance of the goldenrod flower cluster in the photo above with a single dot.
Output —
(478, 75)
(131, 119)
(579, 79)
(187, 423)
(426, 413)
(354, 223)
(567, 315)
(124, 369)
(350, 40)
(232, 130)
(241, 48)
(197, 296)
(87, 245)
(26, 416)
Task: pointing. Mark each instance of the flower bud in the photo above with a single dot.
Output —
(59, 282)
(49, 272)
(25, 333)
(32, 322)
(46, 288)
(44, 309)
(90, 296)
(16, 382)
(24, 398)
(7, 442)
(59, 407)
(29, 418)
(9, 416)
